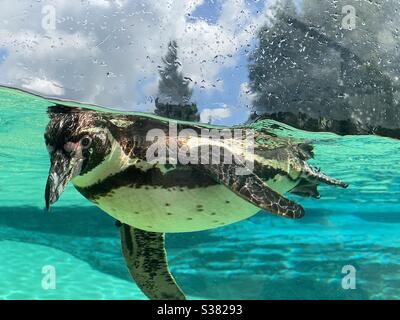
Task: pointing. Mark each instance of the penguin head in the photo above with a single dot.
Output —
(77, 141)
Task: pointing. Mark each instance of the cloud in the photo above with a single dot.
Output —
(44, 86)
(107, 52)
(246, 97)
(212, 115)
(100, 3)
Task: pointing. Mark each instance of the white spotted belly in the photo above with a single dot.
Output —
(176, 209)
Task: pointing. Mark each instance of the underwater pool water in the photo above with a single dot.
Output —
(265, 257)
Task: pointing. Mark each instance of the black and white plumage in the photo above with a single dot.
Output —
(104, 155)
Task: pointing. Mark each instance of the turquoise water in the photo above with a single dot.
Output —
(265, 257)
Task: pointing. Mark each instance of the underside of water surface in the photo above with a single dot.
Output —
(264, 257)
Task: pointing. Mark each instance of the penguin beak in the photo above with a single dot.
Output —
(61, 172)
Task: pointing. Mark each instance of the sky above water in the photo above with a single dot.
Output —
(109, 52)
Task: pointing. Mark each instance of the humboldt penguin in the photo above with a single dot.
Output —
(106, 157)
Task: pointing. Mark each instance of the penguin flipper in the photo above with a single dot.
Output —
(145, 257)
(251, 188)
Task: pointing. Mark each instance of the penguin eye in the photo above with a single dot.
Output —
(86, 142)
